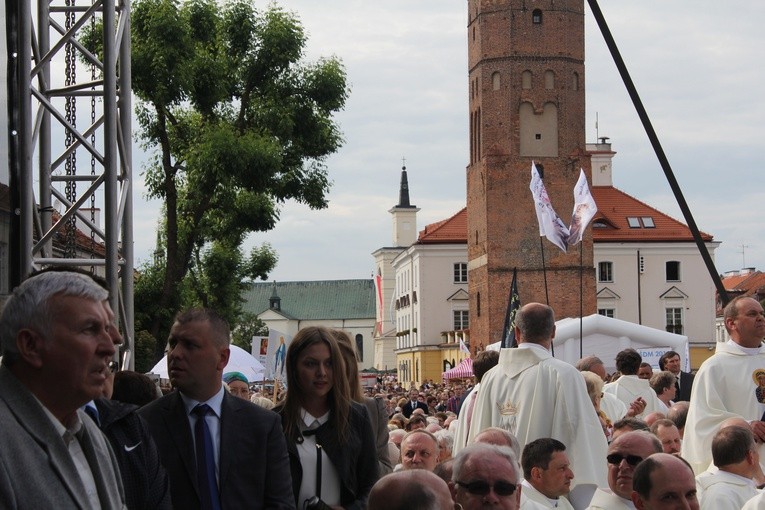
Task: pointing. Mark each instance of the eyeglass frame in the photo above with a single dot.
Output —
(472, 487)
(632, 460)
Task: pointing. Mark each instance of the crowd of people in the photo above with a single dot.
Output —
(531, 431)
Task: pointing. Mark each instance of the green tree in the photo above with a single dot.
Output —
(240, 123)
(249, 326)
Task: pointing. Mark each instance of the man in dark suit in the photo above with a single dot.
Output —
(670, 361)
(239, 446)
(413, 403)
(57, 337)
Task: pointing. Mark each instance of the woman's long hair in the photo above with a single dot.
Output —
(339, 398)
(351, 364)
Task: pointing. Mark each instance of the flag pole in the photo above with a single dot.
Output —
(544, 270)
(581, 297)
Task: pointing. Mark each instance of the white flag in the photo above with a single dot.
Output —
(584, 210)
(463, 347)
(550, 224)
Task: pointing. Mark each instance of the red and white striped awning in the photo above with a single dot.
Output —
(462, 370)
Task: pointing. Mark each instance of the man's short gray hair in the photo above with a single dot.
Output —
(481, 450)
(29, 306)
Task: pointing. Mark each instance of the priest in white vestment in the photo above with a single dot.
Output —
(624, 454)
(547, 475)
(630, 387)
(730, 384)
(533, 395)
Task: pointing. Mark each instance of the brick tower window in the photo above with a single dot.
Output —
(536, 16)
(526, 79)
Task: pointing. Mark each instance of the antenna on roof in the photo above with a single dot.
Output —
(743, 254)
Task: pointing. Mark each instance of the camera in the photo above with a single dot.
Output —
(315, 503)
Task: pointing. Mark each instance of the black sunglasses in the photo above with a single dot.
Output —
(617, 458)
(113, 366)
(481, 488)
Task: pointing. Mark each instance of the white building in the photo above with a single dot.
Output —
(648, 268)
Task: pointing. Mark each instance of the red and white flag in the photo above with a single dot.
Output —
(550, 224)
(584, 210)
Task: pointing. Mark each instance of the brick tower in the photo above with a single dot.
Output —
(526, 69)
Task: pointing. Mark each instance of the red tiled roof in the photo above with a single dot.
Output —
(615, 206)
(450, 230)
(746, 284)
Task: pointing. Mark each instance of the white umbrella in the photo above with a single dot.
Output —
(239, 361)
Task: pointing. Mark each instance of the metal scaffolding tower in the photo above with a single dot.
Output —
(70, 143)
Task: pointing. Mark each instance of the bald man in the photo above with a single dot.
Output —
(661, 480)
(410, 490)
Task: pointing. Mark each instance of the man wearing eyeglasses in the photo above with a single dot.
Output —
(486, 476)
(624, 454)
(57, 339)
(726, 385)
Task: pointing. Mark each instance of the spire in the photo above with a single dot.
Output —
(403, 193)
(275, 302)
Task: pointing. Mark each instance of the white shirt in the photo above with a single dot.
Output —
(532, 499)
(330, 479)
(213, 423)
(71, 437)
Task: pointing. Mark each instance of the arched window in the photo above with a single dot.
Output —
(549, 80)
(575, 81)
(360, 347)
(495, 80)
(526, 79)
(536, 16)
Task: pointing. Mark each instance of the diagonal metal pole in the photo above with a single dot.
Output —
(673, 184)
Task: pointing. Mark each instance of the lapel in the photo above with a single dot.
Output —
(33, 419)
(228, 420)
(178, 428)
(96, 454)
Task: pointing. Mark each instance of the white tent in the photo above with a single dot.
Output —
(239, 361)
(605, 337)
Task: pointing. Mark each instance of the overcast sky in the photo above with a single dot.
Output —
(697, 65)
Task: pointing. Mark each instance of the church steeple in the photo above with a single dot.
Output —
(404, 214)
(275, 302)
(403, 192)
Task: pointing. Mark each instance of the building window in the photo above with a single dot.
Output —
(526, 79)
(648, 222)
(606, 312)
(496, 80)
(575, 81)
(460, 272)
(460, 320)
(536, 16)
(673, 271)
(605, 271)
(360, 347)
(633, 222)
(675, 320)
(549, 80)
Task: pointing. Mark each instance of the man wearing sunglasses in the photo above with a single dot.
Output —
(624, 454)
(486, 476)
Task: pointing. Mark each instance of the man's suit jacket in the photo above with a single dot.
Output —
(686, 383)
(254, 469)
(36, 469)
(407, 408)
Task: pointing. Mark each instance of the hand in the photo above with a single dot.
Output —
(758, 429)
(636, 407)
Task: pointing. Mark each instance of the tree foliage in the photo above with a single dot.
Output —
(240, 123)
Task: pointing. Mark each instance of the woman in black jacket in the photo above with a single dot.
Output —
(329, 437)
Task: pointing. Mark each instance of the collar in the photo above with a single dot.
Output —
(215, 402)
(527, 485)
(749, 351)
(308, 419)
(72, 428)
(531, 345)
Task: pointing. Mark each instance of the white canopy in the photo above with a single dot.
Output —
(239, 361)
(605, 337)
